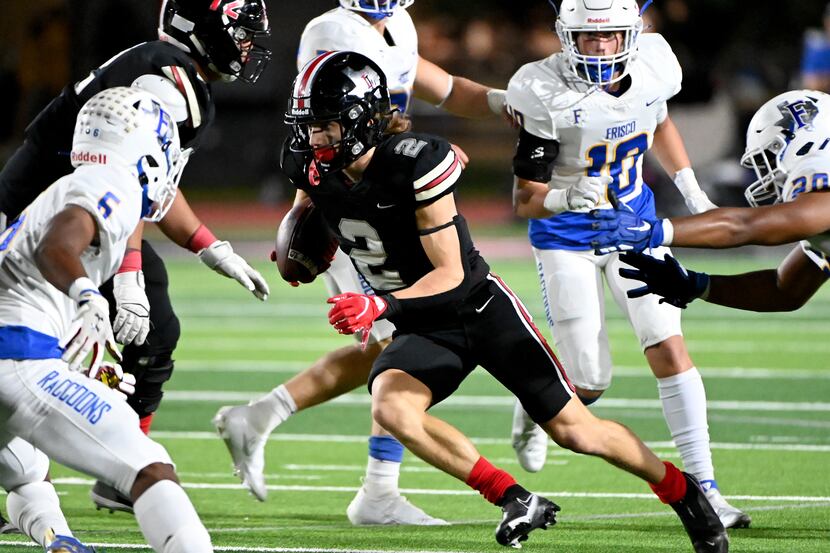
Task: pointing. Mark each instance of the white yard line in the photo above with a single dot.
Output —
(623, 371)
(468, 401)
(73, 481)
(362, 439)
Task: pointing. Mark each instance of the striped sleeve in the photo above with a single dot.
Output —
(438, 178)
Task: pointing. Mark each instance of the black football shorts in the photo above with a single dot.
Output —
(494, 331)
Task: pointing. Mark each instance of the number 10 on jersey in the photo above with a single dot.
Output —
(623, 165)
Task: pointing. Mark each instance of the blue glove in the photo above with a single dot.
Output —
(623, 230)
(666, 278)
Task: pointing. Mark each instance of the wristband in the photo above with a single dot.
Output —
(708, 284)
(448, 94)
(496, 100)
(79, 286)
(668, 232)
(686, 182)
(131, 262)
(200, 239)
(393, 306)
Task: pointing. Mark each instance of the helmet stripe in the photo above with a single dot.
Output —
(301, 90)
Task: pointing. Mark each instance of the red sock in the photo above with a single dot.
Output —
(489, 481)
(673, 486)
(145, 422)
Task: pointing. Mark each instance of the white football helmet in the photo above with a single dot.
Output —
(586, 16)
(376, 8)
(781, 132)
(129, 126)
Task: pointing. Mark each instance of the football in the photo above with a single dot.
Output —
(305, 244)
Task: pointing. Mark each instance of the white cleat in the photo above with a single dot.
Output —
(529, 440)
(246, 446)
(729, 516)
(388, 509)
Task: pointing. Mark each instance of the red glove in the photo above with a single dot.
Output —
(355, 312)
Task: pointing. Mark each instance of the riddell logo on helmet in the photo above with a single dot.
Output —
(88, 157)
(599, 20)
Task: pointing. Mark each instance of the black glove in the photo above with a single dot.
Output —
(666, 278)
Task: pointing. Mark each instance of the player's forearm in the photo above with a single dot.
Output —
(756, 291)
(529, 199)
(669, 149)
(437, 281)
(468, 99)
(180, 222)
(719, 228)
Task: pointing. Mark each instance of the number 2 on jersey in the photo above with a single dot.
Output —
(623, 166)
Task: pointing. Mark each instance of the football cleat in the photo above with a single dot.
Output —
(7, 527)
(522, 516)
(700, 520)
(246, 446)
(529, 440)
(730, 517)
(388, 509)
(65, 544)
(106, 497)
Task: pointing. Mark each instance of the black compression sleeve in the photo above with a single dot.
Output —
(534, 157)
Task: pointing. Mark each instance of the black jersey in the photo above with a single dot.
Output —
(375, 218)
(56, 123)
(44, 157)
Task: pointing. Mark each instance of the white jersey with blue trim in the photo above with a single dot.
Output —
(811, 174)
(395, 51)
(112, 195)
(598, 133)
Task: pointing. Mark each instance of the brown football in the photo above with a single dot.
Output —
(305, 243)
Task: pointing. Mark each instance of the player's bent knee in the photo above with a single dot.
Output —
(150, 475)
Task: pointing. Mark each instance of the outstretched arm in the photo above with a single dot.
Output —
(455, 94)
(805, 217)
(784, 289)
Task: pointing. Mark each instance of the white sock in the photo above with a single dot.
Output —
(684, 408)
(35, 509)
(269, 411)
(381, 477)
(169, 522)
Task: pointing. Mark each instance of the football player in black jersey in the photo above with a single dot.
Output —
(388, 195)
(200, 41)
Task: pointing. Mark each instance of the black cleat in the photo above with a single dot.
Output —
(106, 497)
(700, 520)
(522, 516)
(7, 527)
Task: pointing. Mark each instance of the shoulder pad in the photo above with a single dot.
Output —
(535, 94)
(655, 54)
(809, 175)
(429, 163)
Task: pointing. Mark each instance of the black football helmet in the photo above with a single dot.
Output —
(221, 34)
(345, 87)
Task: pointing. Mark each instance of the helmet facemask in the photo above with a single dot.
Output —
(222, 35)
(599, 70)
(376, 9)
(765, 160)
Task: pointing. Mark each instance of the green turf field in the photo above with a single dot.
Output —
(767, 379)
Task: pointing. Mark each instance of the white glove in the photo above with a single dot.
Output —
(91, 330)
(696, 199)
(220, 257)
(114, 376)
(583, 196)
(132, 318)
